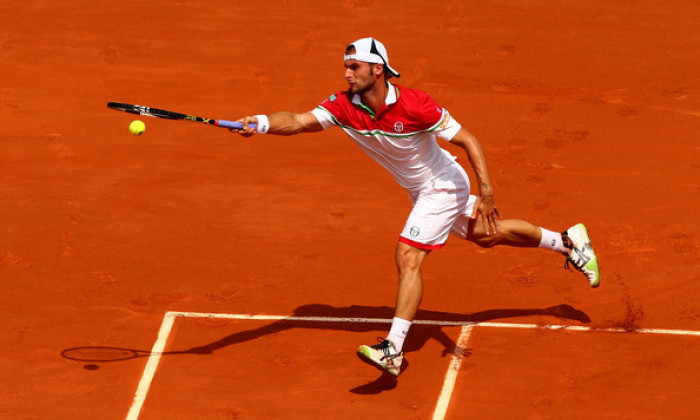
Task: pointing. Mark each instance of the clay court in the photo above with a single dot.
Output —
(234, 278)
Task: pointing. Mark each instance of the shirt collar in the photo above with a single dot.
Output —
(390, 97)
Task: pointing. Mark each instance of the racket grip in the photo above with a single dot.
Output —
(232, 124)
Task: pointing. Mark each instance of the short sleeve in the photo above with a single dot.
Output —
(331, 111)
(323, 116)
(447, 127)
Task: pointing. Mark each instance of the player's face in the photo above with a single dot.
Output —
(359, 76)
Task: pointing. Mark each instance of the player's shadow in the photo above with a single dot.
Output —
(420, 333)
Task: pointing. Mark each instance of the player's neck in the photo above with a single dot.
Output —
(375, 97)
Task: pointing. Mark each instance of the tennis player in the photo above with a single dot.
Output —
(398, 127)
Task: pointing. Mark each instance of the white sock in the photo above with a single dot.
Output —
(552, 240)
(398, 332)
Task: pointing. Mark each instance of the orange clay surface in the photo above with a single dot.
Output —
(588, 111)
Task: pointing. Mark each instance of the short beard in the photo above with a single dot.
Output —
(360, 91)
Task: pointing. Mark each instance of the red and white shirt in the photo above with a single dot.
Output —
(400, 137)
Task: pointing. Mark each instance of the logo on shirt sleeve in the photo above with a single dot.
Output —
(445, 121)
(398, 126)
(332, 97)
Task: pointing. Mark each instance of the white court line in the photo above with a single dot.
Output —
(590, 329)
(436, 323)
(448, 384)
(450, 378)
(153, 359)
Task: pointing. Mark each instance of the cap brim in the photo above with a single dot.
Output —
(392, 71)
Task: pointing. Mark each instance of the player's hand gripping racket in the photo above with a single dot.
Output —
(169, 115)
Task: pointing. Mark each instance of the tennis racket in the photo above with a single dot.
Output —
(170, 115)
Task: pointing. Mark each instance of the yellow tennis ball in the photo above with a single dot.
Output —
(137, 127)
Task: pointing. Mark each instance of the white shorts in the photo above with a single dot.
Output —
(441, 207)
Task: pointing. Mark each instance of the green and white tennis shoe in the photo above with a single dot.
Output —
(382, 355)
(582, 256)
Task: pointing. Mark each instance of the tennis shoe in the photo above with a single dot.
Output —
(382, 355)
(581, 254)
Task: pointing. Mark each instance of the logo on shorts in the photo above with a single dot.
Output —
(398, 126)
(415, 231)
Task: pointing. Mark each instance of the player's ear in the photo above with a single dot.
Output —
(378, 69)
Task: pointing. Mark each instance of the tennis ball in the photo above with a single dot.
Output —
(137, 127)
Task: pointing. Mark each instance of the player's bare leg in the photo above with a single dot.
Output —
(408, 263)
(574, 243)
(512, 232)
(387, 354)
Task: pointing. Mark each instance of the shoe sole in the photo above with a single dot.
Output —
(593, 263)
(364, 353)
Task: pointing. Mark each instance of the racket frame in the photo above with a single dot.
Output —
(171, 115)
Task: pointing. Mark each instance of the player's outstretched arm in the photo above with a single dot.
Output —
(282, 123)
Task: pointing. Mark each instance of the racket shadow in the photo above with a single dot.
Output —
(106, 354)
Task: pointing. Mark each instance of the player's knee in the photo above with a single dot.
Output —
(406, 262)
(408, 259)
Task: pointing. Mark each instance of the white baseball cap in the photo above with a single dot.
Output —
(369, 50)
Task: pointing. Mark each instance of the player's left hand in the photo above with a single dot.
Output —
(486, 206)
